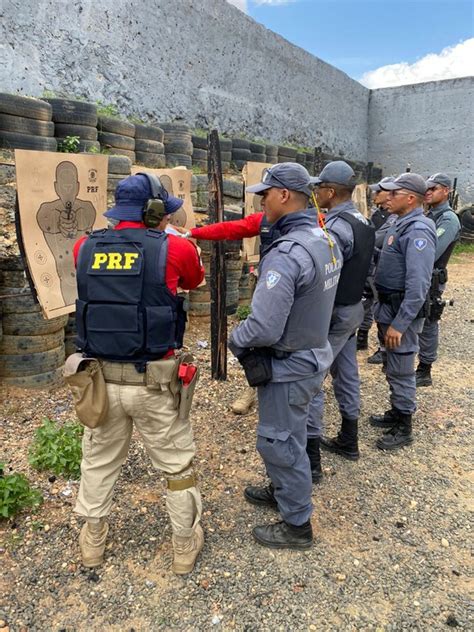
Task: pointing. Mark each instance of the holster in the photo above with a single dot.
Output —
(187, 390)
(395, 299)
(257, 365)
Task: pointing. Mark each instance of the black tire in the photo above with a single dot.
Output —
(25, 106)
(11, 345)
(199, 154)
(13, 279)
(240, 143)
(39, 381)
(31, 324)
(14, 140)
(178, 160)
(149, 132)
(71, 326)
(226, 144)
(300, 158)
(18, 365)
(85, 132)
(467, 218)
(107, 139)
(285, 159)
(113, 151)
(288, 152)
(75, 112)
(158, 161)
(23, 125)
(257, 148)
(19, 300)
(245, 292)
(176, 127)
(241, 154)
(178, 147)
(233, 189)
(239, 164)
(226, 156)
(200, 164)
(12, 263)
(258, 158)
(150, 146)
(271, 149)
(116, 126)
(199, 142)
(112, 181)
(120, 165)
(83, 145)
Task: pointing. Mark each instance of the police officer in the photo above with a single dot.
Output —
(381, 220)
(448, 229)
(129, 316)
(402, 281)
(355, 237)
(283, 346)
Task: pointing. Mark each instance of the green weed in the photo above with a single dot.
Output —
(16, 494)
(243, 311)
(57, 449)
(70, 145)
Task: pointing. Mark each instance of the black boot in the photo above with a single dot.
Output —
(362, 339)
(387, 420)
(345, 444)
(376, 358)
(423, 375)
(283, 535)
(263, 496)
(312, 450)
(398, 436)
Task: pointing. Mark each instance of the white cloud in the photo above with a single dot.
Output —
(451, 62)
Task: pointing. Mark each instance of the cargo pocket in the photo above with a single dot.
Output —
(275, 446)
(400, 364)
(301, 392)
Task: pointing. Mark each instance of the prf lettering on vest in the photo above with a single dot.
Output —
(114, 260)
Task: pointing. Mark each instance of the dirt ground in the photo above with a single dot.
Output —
(393, 531)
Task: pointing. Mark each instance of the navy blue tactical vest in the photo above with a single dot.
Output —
(125, 312)
(355, 270)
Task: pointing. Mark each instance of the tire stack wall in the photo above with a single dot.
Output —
(119, 167)
(75, 118)
(246, 284)
(70, 333)
(149, 147)
(466, 217)
(26, 123)
(271, 154)
(32, 349)
(117, 137)
(286, 154)
(241, 153)
(200, 152)
(258, 152)
(178, 144)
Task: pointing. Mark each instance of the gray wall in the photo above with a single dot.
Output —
(429, 125)
(203, 60)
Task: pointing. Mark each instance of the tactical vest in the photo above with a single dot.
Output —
(391, 269)
(355, 270)
(124, 311)
(268, 234)
(307, 326)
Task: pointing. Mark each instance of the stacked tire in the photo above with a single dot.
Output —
(271, 154)
(466, 217)
(257, 152)
(26, 123)
(178, 144)
(286, 154)
(309, 162)
(241, 153)
(70, 334)
(119, 167)
(226, 153)
(75, 118)
(117, 137)
(246, 284)
(149, 147)
(301, 158)
(31, 349)
(200, 152)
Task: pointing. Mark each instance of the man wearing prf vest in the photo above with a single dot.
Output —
(129, 317)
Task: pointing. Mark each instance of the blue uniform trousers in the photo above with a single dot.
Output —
(281, 442)
(344, 368)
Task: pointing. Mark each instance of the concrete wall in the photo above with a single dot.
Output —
(202, 60)
(429, 125)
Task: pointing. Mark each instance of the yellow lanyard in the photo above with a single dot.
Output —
(322, 223)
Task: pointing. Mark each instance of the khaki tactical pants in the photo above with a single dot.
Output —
(167, 439)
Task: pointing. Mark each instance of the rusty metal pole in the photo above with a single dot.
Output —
(218, 272)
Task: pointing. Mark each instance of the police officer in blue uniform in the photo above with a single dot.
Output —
(355, 238)
(448, 229)
(284, 348)
(402, 281)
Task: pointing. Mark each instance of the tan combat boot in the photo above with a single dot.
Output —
(186, 550)
(244, 403)
(92, 542)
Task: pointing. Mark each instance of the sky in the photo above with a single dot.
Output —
(380, 43)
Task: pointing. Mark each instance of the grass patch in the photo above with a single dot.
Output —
(16, 494)
(57, 449)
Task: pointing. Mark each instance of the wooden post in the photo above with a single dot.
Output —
(218, 274)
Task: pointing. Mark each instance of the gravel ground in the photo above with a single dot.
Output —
(392, 532)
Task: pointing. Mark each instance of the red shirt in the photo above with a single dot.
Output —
(183, 265)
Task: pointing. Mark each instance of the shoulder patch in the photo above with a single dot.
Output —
(440, 231)
(272, 279)
(420, 243)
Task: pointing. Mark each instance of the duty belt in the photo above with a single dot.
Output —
(122, 373)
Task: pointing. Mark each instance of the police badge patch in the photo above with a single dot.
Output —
(272, 279)
(420, 244)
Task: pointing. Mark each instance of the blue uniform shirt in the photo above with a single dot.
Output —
(447, 224)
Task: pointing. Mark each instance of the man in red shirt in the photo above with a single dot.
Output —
(129, 316)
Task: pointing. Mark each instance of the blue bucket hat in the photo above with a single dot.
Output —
(132, 195)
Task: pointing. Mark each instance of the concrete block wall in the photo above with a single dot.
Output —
(429, 125)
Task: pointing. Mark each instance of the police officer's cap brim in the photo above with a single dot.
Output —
(258, 188)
